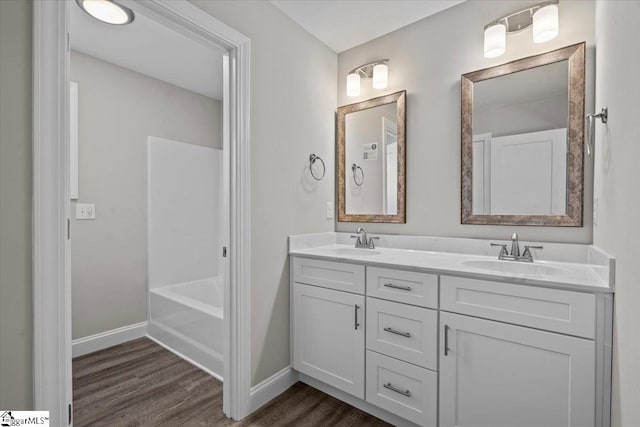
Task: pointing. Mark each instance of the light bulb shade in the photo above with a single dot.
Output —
(380, 76)
(107, 11)
(545, 23)
(353, 84)
(495, 40)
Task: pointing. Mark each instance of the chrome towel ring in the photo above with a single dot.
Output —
(354, 169)
(312, 160)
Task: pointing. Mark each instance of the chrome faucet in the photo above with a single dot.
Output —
(515, 245)
(362, 241)
(504, 254)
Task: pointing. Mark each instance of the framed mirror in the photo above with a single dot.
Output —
(523, 141)
(371, 160)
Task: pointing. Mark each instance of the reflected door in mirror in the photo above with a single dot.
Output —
(520, 142)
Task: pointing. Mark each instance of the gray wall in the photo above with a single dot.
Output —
(16, 324)
(427, 59)
(118, 110)
(293, 102)
(616, 187)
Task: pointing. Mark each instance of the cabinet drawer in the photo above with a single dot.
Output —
(555, 310)
(401, 388)
(403, 286)
(329, 274)
(403, 331)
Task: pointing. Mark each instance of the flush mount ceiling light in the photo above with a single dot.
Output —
(542, 17)
(378, 71)
(107, 11)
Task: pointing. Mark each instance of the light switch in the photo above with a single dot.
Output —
(85, 211)
(329, 210)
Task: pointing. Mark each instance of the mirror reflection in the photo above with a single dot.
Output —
(371, 155)
(520, 142)
(522, 134)
(371, 160)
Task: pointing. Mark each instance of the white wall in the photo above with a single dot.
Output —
(293, 102)
(118, 110)
(16, 314)
(616, 187)
(184, 212)
(533, 116)
(427, 59)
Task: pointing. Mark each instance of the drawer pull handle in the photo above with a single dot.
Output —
(402, 288)
(393, 331)
(446, 340)
(355, 319)
(397, 390)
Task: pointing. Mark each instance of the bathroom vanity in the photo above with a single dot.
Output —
(446, 334)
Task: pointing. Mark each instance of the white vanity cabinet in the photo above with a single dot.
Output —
(328, 337)
(494, 374)
(441, 350)
(329, 324)
(499, 371)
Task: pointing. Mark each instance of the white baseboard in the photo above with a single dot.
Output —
(358, 403)
(86, 345)
(272, 387)
(187, 358)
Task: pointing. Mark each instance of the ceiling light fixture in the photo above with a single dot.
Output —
(542, 17)
(378, 71)
(107, 11)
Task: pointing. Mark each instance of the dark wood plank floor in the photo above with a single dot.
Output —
(139, 383)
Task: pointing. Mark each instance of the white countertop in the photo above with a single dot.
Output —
(564, 275)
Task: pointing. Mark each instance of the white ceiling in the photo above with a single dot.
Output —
(344, 24)
(150, 48)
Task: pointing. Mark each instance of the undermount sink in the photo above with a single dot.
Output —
(354, 252)
(515, 267)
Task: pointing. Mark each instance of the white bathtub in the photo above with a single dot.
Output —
(188, 319)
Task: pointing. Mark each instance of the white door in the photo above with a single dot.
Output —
(528, 173)
(328, 336)
(390, 166)
(494, 374)
(481, 174)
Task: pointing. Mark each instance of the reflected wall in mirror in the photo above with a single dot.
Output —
(522, 141)
(371, 160)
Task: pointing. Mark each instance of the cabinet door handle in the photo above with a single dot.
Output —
(402, 288)
(355, 317)
(446, 340)
(393, 331)
(397, 390)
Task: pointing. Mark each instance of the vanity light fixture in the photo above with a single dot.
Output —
(107, 11)
(542, 17)
(378, 71)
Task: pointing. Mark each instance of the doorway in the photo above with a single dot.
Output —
(52, 216)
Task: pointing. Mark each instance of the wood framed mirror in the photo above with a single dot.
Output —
(371, 158)
(523, 141)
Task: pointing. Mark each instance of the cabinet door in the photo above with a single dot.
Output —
(498, 375)
(328, 337)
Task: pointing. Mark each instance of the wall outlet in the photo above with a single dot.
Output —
(595, 211)
(85, 211)
(329, 210)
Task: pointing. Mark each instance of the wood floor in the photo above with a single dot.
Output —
(139, 383)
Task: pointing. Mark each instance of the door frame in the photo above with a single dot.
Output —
(51, 203)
